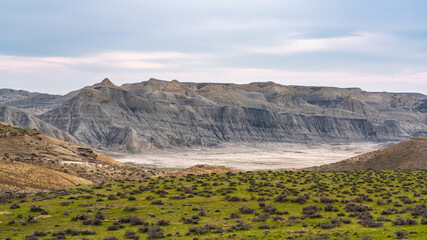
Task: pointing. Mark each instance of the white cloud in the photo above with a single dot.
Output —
(132, 60)
(357, 42)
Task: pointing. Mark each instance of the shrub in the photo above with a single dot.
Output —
(113, 227)
(111, 238)
(72, 232)
(203, 212)
(157, 202)
(39, 234)
(419, 210)
(112, 197)
(311, 210)
(202, 230)
(163, 222)
(155, 233)
(130, 209)
(234, 215)
(269, 209)
(262, 217)
(370, 222)
(14, 206)
(131, 235)
(264, 226)
(36, 209)
(241, 226)
(80, 217)
(87, 222)
(327, 200)
(401, 234)
(281, 198)
(246, 210)
(136, 221)
(100, 216)
(411, 221)
(87, 232)
(300, 199)
(399, 221)
(97, 222)
(329, 208)
(326, 225)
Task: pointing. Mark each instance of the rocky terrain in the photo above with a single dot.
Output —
(409, 154)
(32, 160)
(156, 114)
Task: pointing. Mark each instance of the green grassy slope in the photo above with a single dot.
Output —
(286, 205)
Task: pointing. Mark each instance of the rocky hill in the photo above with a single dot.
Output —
(409, 154)
(32, 160)
(155, 114)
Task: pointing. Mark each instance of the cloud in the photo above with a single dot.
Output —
(132, 60)
(357, 42)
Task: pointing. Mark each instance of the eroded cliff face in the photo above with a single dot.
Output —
(17, 117)
(155, 114)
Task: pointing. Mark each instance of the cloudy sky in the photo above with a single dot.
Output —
(58, 46)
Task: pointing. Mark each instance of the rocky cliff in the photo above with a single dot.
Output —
(157, 114)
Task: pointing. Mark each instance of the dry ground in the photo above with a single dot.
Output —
(265, 156)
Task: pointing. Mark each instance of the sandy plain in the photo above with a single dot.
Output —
(246, 157)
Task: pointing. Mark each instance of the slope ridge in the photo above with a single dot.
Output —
(32, 150)
(409, 154)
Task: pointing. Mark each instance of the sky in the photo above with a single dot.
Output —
(59, 46)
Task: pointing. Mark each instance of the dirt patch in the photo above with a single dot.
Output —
(265, 156)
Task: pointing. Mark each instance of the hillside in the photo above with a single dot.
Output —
(16, 175)
(409, 154)
(157, 114)
(30, 159)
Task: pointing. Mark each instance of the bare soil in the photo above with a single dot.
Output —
(265, 156)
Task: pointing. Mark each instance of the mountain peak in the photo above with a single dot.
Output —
(105, 83)
(175, 86)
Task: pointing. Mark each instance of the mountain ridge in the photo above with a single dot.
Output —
(156, 114)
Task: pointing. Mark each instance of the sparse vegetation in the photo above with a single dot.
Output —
(249, 205)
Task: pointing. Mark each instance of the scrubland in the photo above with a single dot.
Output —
(246, 205)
